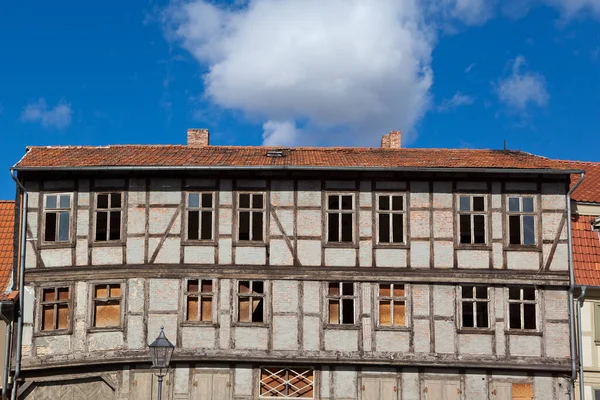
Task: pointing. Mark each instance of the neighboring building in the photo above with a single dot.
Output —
(586, 259)
(348, 273)
(8, 296)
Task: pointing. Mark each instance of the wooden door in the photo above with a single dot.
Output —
(145, 386)
(210, 386)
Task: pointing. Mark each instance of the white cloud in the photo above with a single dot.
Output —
(573, 8)
(58, 117)
(355, 68)
(469, 68)
(470, 12)
(522, 88)
(456, 101)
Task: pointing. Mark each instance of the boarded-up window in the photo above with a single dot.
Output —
(521, 220)
(522, 391)
(200, 216)
(472, 217)
(522, 307)
(199, 300)
(340, 299)
(251, 301)
(392, 304)
(340, 218)
(106, 305)
(390, 218)
(108, 216)
(475, 307)
(57, 218)
(289, 383)
(55, 308)
(251, 215)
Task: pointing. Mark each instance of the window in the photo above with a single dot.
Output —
(340, 218)
(251, 301)
(106, 305)
(108, 216)
(55, 309)
(251, 211)
(475, 303)
(392, 304)
(57, 218)
(340, 297)
(522, 308)
(597, 322)
(288, 383)
(200, 216)
(472, 216)
(521, 220)
(199, 300)
(390, 218)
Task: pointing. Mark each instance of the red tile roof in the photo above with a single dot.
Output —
(586, 251)
(589, 190)
(225, 156)
(7, 229)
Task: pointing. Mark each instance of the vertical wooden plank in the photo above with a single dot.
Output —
(388, 389)
(221, 387)
(370, 389)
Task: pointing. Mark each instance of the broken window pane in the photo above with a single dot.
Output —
(244, 309)
(528, 230)
(334, 289)
(258, 287)
(384, 228)
(514, 228)
(465, 229)
(348, 311)
(115, 290)
(257, 314)
(334, 310)
(244, 287)
(50, 229)
(193, 224)
(101, 291)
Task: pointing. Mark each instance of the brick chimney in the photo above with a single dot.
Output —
(197, 137)
(392, 140)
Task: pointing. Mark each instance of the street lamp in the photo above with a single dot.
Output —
(161, 351)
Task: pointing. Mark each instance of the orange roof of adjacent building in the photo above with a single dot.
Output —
(7, 229)
(315, 157)
(589, 190)
(586, 251)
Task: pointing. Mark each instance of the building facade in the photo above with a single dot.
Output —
(295, 273)
(586, 258)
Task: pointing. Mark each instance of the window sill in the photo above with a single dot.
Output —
(521, 247)
(52, 333)
(475, 331)
(207, 243)
(251, 324)
(465, 246)
(393, 328)
(523, 332)
(249, 243)
(109, 329)
(335, 327)
(108, 243)
(391, 246)
(57, 245)
(200, 324)
(340, 245)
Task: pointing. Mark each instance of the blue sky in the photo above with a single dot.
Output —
(448, 73)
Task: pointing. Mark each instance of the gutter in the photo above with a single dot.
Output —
(299, 168)
(6, 372)
(579, 337)
(22, 249)
(572, 286)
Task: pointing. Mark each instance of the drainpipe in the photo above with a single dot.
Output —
(6, 355)
(580, 304)
(572, 289)
(21, 284)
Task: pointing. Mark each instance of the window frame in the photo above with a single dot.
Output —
(96, 210)
(353, 212)
(251, 295)
(200, 209)
(403, 212)
(536, 302)
(251, 210)
(488, 300)
(214, 294)
(340, 297)
(406, 299)
(273, 367)
(596, 324)
(521, 214)
(486, 219)
(45, 211)
(92, 305)
(38, 331)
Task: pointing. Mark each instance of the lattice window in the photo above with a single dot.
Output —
(521, 220)
(475, 304)
(108, 216)
(390, 218)
(57, 217)
(106, 305)
(340, 298)
(200, 216)
(55, 308)
(392, 304)
(340, 218)
(522, 308)
(199, 300)
(288, 383)
(472, 219)
(251, 215)
(251, 301)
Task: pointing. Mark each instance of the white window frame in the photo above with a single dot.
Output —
(471, 215)
(200, 209)
(199, 295)
(57, 210)
(108, 211)
(340, 299)
(390, 214)
(252, 296)
(251, 210)
(340, 212)
(392, 299)
(521, 214)
(472, 302)
(522, 302)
